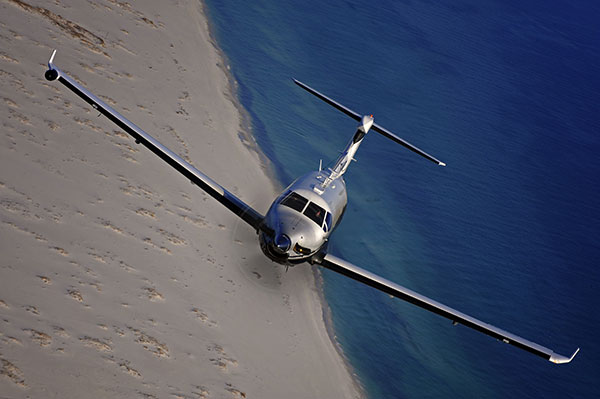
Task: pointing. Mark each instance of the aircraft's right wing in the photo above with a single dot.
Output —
(231, 202)
(364, 276)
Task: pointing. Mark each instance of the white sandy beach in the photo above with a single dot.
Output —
(118, 278)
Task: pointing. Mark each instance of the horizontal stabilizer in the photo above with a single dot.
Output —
(356, 116)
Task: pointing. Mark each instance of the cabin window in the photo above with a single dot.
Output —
(327, 224)
(315, 213)
(294, 201)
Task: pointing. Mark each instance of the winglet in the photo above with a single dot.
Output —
(560, 359)
(50, 66)
(52, 73)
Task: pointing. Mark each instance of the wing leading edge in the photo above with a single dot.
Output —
(230, 201)
(364, 276)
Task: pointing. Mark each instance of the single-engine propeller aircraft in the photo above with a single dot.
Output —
(298, 224)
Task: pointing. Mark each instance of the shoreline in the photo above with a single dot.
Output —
(246, 135)
(329, 326)
(268, 167)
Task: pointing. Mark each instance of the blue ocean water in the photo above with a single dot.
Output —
(504, 92)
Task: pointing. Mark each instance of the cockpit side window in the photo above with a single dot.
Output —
(327, 225)
(294, 201)
(315, 213)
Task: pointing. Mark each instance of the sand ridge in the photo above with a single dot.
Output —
(118, 277)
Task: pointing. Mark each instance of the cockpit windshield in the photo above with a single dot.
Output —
(315, 213)
(294, 201)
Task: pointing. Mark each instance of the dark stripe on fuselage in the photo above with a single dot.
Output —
(358, 136)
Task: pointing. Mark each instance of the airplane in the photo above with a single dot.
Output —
(297, 226)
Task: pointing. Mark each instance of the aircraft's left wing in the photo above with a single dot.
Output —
(231, 202)
(348, 269)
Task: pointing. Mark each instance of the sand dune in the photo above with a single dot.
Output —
(118, 277)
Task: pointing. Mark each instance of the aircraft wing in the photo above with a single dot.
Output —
(364, 276)
(231, 202)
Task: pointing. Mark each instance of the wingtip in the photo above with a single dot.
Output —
(560, 359)
(441, 164)
(51, 59)
(52, 73)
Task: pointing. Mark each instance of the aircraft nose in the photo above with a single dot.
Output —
(282, 243)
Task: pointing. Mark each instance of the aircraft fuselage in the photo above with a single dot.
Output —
(300, 221)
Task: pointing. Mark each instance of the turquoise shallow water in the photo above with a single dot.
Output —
(506, 94)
